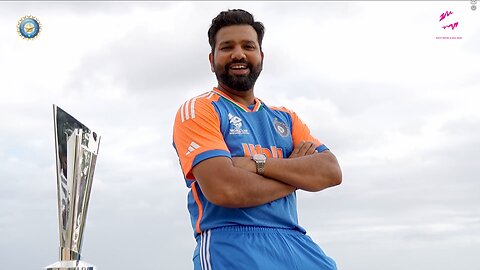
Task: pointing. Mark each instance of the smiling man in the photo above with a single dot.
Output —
(243, 161)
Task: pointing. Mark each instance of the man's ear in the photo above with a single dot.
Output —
(262, 55)
(210, 58)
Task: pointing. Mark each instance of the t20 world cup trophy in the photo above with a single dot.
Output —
(76, 150)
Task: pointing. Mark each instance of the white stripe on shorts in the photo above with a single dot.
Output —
(205, 250)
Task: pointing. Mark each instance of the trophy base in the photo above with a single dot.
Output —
(70, 265)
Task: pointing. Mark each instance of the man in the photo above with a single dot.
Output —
(244, 160)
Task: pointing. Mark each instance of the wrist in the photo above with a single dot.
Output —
(260, 160)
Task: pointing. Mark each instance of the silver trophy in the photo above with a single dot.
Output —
(76, 150)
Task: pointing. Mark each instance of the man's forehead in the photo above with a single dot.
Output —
(237, 33)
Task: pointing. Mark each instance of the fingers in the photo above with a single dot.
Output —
(304, 149)
(307, 148)
(245, 163)
(296, 150)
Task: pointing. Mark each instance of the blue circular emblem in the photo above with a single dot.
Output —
(29, 27)
(281, 128)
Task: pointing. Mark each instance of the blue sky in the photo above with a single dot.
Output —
(397, 106)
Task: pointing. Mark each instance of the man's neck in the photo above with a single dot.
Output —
(246, 98)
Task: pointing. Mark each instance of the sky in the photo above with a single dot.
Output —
(375, 81)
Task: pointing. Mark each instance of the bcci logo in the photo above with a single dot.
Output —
(281, 128)
(29, 27)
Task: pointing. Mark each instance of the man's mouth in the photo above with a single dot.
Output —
(239, 68)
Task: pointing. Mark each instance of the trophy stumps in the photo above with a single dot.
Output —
(76, 150)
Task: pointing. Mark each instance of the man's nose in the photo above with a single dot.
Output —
(238, 54)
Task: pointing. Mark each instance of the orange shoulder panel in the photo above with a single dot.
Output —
(197, 130)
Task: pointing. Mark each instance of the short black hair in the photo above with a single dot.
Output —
(234, 17)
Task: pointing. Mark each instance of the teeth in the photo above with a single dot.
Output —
(238, 67)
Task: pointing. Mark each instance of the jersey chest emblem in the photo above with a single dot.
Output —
(281, 128)
(236, 125)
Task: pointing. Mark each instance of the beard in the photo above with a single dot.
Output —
(240, 83)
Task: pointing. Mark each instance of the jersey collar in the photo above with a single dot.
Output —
(256, 108)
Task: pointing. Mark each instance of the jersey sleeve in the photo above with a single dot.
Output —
(197, 135)
(300, 131)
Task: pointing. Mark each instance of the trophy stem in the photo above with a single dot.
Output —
(69, 255)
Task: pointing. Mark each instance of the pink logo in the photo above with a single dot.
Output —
(443, 16)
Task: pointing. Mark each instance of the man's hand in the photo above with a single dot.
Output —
(303, 149)
(245, 163)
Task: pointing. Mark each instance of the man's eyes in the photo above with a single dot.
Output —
(247, 47)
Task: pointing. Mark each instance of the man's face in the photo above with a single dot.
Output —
(237, 59)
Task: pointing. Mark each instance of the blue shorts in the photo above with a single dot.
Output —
(258, 248)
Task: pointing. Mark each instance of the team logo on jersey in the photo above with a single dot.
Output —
(281, 128)
(236, 122)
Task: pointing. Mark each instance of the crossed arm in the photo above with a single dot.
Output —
(234, 182)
